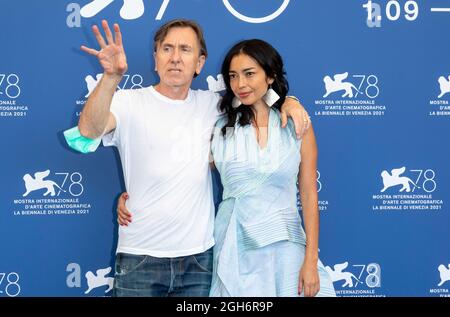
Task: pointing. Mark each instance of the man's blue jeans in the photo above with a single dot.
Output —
(144, 275)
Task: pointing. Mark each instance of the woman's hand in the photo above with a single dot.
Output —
(123, 214)
(308, 281)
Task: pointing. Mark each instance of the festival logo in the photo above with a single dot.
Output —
(10, 105)
(350, 96)
(442, 285)
(361, 280)
(405, 189)
(51, 194)
(440, 106)
(214, 84)
(134, 9)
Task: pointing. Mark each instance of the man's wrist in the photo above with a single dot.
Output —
(112, 80)
(293, 97)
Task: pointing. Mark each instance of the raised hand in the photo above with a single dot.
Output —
(111, 54)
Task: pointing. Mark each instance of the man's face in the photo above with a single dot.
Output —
(177, 58)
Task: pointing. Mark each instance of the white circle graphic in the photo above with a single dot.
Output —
(256, 20)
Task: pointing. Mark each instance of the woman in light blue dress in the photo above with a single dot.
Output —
(261, 247)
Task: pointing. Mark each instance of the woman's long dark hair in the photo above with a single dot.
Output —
(270, 60)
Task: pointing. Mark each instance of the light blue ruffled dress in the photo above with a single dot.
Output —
(260, 242)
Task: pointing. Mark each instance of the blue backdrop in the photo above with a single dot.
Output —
(374, 76)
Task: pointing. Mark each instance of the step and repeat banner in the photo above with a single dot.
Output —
(373, 75)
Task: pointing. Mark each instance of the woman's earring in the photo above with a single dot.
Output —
(235, 102)
(271, 97)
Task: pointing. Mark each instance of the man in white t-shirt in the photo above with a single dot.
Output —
(163, 135)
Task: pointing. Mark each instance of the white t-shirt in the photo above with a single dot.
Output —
(164, 147)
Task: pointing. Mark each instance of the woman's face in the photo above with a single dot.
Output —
(248, 79)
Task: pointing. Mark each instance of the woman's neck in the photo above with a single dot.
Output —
(261, 111)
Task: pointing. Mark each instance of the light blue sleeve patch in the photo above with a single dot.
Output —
(80, 143)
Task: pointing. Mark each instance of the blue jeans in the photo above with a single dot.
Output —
(144, 275)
